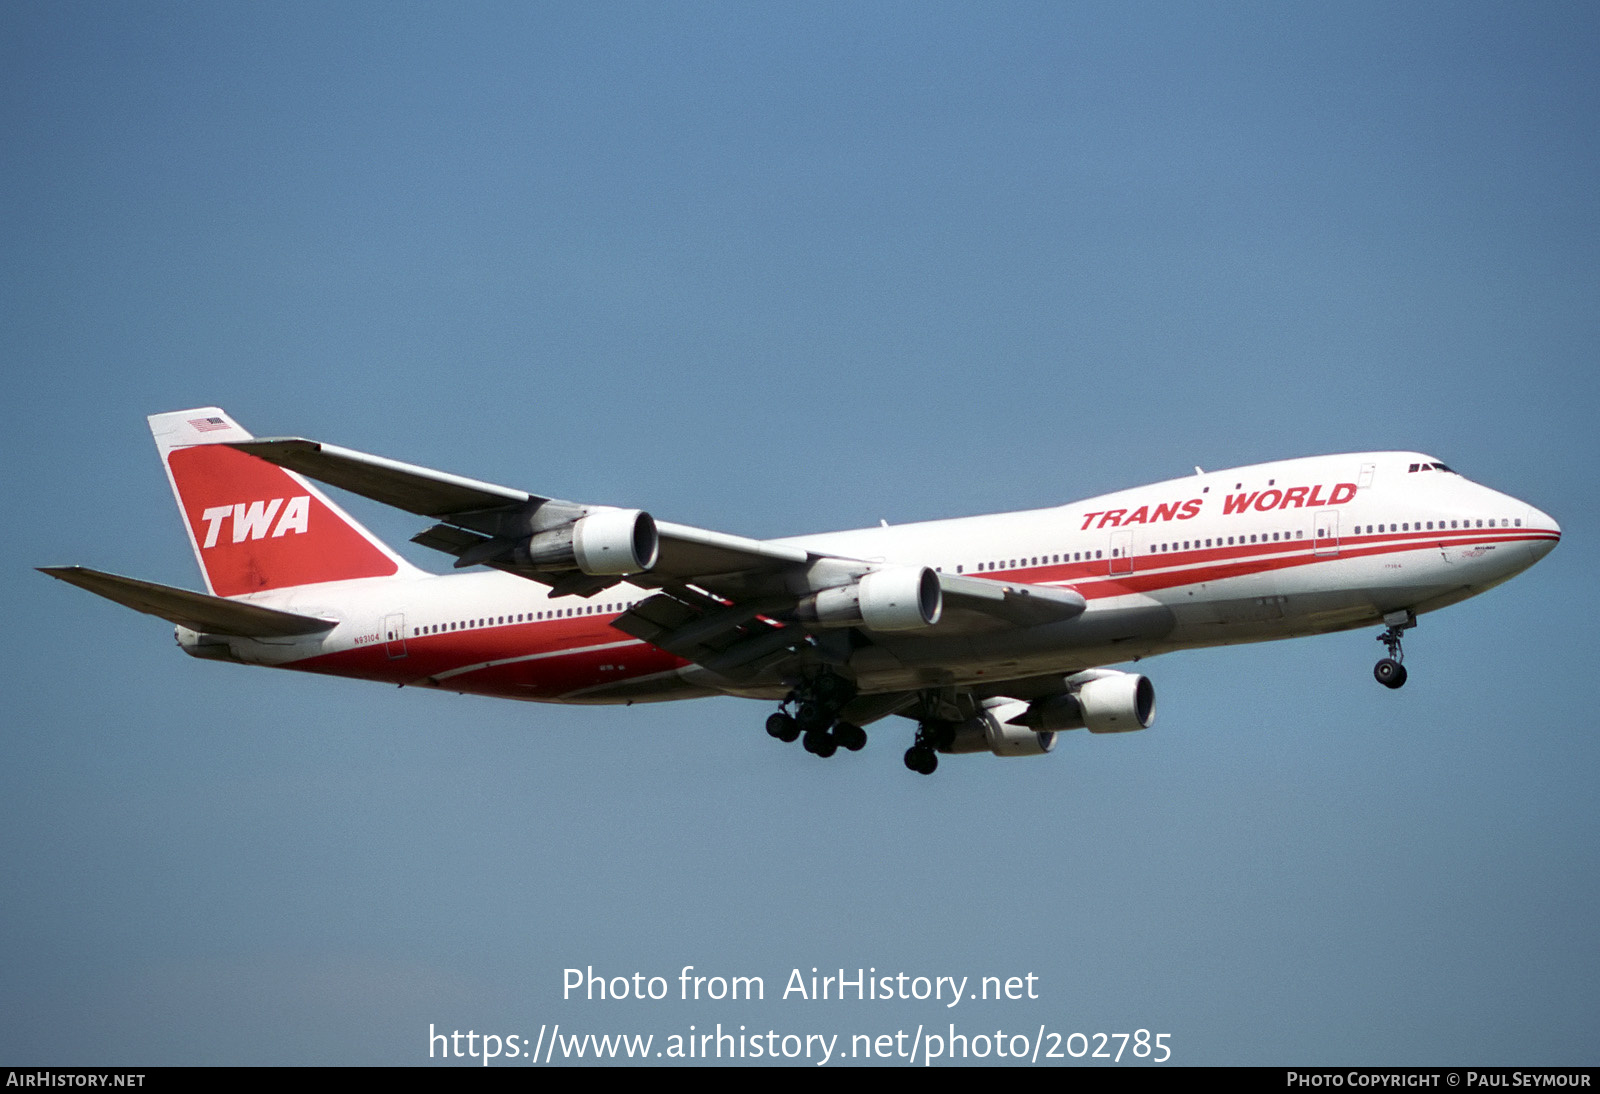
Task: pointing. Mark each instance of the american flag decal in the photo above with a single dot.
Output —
(206, 425)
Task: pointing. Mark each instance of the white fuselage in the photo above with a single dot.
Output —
(1270, 551)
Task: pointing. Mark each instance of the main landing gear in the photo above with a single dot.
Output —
(922, 756)
(1391, 671)
(817, 704)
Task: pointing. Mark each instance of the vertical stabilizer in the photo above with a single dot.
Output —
(255, 526)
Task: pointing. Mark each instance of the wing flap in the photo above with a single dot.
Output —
(729, 639)
(197, 611)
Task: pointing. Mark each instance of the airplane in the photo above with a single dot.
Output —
(990, 633)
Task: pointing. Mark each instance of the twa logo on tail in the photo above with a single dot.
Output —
(252, 521)
(286, 534)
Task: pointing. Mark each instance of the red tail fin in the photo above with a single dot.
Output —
(255, 526)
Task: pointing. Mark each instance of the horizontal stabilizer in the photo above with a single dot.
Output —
(197, 611)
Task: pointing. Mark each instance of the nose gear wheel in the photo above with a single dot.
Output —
(1391, 671)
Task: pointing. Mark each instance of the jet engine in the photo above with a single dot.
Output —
(603, 543)
(1101, 700)
(992, 731)
(900, 598)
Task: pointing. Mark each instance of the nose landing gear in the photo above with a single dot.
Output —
(1391, 671)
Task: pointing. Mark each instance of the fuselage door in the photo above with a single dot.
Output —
(1121, 552)
(1325, 539)
(394, 635)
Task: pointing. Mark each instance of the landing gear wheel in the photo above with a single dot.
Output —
(820, 743)
(812, 718)
(1389, 673)
(783, 727)
(850, 736)
(922, 759)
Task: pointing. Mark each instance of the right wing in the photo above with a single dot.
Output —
(482, 523)
(735, 605)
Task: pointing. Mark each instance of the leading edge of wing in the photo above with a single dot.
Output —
(419, 490)
(197, 611)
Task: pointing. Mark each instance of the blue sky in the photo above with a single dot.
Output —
(776, 271)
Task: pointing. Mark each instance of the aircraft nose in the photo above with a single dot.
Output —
(1546, 533)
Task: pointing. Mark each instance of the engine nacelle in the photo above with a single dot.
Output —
(1118, 704)
(992, 731)
(605, 542)
(901, 598)
(1106, 702)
